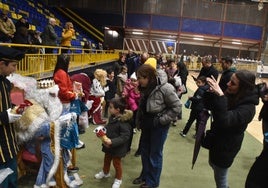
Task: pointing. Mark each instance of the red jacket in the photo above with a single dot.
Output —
(62, 79)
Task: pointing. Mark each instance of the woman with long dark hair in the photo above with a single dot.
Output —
(232, 111)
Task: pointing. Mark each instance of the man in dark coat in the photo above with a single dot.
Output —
(208, 69)
(228, 70)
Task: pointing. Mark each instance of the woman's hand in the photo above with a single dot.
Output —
(265, 98)
(214, 86)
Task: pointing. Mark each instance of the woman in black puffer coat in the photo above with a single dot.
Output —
(232, 111)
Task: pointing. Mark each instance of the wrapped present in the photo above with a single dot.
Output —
(101, 133)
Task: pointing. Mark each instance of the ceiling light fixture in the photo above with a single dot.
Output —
(137, 33)
(197, 38)
(238, 43)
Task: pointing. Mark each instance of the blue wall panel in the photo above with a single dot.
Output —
(201, 26)
(242, 31)
(141, 21)
(165, 23)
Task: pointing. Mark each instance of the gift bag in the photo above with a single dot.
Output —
(188, 104)
(83, 120)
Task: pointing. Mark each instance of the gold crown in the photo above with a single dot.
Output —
(44, 84)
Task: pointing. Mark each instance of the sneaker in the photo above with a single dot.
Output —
(80, 145)
(72, 169)
(116, 183)
(101, 175)
(181, 133)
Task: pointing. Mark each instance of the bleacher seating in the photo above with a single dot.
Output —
(38, 14)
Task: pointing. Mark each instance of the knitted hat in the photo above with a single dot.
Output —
(133, 76)
(151, 61)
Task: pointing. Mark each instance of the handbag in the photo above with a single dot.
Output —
(188, 104)
(207, 139)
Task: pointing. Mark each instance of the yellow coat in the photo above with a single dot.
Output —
(67, 36)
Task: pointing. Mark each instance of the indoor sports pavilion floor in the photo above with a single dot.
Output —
(177, 165)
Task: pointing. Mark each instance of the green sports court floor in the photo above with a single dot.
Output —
(176, 173)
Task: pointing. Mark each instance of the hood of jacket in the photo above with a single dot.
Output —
(162, 76)
(125, 117)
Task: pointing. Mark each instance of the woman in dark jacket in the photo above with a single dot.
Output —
(232, 111)
(258, 176)
(158, 107)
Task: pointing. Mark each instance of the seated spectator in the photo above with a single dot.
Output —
(7, 27)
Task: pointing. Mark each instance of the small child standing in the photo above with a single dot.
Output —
(131, 94)
(121, 80)
(110, 90)
(197, 104)
(116, 146)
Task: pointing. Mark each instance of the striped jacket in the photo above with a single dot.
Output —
(8, 141)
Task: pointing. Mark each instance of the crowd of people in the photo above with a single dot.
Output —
(20, 33)
(139, 92)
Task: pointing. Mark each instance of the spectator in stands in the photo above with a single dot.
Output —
(67, 36)
(87, 46)
(21, 37)
(228, 70)
(35, 39)
(9, 59)
(7, 27)
(49, 36)
(22, 22)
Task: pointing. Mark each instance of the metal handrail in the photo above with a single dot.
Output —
(42, 65)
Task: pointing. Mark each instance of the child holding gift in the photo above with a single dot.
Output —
(118, 131)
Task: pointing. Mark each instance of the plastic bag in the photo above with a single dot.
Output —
(188, 104)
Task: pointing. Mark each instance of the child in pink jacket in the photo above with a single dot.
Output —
(132, 96)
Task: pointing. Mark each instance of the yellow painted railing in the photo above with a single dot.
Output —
(42, 65)
(239, 66)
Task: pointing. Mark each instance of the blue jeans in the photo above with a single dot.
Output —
(11, 180)
(220, 176)
(152, 142)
